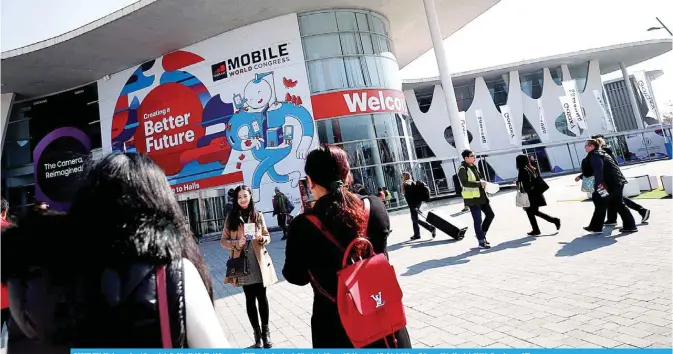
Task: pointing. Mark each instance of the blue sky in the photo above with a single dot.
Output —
(508, 32)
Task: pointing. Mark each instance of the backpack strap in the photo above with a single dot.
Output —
(321, 227)
(162, 303)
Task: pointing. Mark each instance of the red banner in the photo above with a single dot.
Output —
(353, 102)
(229, 178)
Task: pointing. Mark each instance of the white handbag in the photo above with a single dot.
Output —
(522, 200)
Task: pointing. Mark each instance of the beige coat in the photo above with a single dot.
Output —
(230, 239)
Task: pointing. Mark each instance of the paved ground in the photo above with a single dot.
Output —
(561, 289)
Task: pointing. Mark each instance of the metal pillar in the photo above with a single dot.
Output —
(632, 96)
(445, 76)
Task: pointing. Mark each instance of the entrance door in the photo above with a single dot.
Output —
(192, 211)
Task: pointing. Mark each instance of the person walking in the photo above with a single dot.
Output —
(607, 178)
(311, 258)
(612, 213)
(260, 271)
(230, 202)
(531, 183)
(475, 197)
(415, 192)
(282, 207)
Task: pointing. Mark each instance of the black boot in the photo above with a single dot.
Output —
(266, 337)
(258, 338)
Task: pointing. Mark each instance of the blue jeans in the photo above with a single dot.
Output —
(481, 228)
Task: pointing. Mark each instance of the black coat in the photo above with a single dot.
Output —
(532, 183)
(307, 250)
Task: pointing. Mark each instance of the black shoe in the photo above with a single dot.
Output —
(284, 238)
(557, 223)
(485, 245)
(434, 232)
(588, 229)
(413, 238)
(258, 338)
(610, 223)
(534, 233)
(646, 215)
(266, 337)
(628, 231)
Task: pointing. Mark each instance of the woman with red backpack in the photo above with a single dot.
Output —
(345, 236)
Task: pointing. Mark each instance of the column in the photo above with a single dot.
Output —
(632, 96)
(445, 76)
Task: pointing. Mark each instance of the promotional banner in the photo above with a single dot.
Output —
(233, 109)
(570, 118)
(543, 133)
(607, 115)
(646, 145)
(509, 125)
(354, 102)
(463, 125)
(645, 91)
(483, 133)
(573, 98)
(59, 162)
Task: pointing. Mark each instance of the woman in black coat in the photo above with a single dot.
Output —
(530, 182)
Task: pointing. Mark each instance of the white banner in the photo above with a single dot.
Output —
(509, 125)
(644, 89)
(544, 133)
(570, 119)
(463, 125)
(483, 133)
(573, 95)
(607, 115)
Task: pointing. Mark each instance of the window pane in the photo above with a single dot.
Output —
(18, 130)
(579, 73)
(367, 45)
(16, 153)
(346, 21)
(390, 73)
(381, 44)
(327, 74)
(377, 25)
(373, 72)
(363, 22)
(392, 176)
(323, 46)
(354, 72)
(323, 22)
(385, 126)
(355, 154)
(349, 44)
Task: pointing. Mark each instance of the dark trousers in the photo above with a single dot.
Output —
(612, 212)
(415, 221)
(534, 211)
(256, 294)
(615, 201)
(282, 223)
(481, 228)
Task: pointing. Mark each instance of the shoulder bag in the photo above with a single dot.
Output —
(522, 200)
(588, 184)
(238, 267)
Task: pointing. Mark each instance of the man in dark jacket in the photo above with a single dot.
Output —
(609, 177)
(612, 213)
(475, 197)
(415, 201)
(280, 210)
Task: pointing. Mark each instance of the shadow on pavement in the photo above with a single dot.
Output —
(588, 243)
(463, 257)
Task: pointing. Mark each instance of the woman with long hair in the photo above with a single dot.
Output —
(309, 255)
(261, 273)
(530, 182)
(124, 272)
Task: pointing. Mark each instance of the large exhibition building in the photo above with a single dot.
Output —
(221, 93)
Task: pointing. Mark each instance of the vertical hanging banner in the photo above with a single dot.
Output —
(644, 89)
(570, 118)
(573, 97)
(483, 133)
(544, 133)
(509, 125)
(463, 125)
(607, 115)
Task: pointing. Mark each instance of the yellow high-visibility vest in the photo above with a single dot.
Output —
(469, 192)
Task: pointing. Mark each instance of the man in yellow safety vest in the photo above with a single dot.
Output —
(475, 197)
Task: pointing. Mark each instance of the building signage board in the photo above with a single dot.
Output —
(644, 89)
(570, 117)
(543, 132)
(509, 125)
(361, 101)
(573, 98)
(232, 109)
(605, 110)
(481, 124)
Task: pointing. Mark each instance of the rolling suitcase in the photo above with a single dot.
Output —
(446, 224)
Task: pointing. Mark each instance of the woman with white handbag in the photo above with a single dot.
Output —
(531, 188)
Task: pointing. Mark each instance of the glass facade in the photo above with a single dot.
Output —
(579, 73)
(351, 49)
